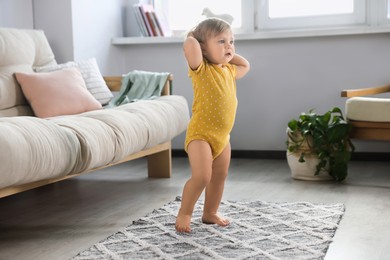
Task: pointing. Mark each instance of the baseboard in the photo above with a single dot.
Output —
(255, 154)
(246, 154)
(371, 156)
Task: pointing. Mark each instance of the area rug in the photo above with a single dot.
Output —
(258, 230)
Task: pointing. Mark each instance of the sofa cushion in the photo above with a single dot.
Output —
(38, 148)
(114, 133)
(56, 93)
(20, 50)
(97, 140)
(91, 74)
(368, 109)
(34, 149)
(130, 130)
(172, 113)
(109, 135)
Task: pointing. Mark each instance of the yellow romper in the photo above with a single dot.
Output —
(214, 105)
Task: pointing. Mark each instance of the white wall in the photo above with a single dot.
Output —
(95, 23)
(55, 19)
(288, 76)
(79, 30)
(16, 14)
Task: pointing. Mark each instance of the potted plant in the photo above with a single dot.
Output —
(321, 144)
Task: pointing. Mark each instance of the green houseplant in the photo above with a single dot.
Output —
(326, 137)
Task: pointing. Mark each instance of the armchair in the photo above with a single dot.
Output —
(369, 116)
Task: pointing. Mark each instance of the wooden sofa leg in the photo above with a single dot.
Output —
(160, 164)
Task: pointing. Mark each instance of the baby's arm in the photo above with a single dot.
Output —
(242, 65)
(192, 52)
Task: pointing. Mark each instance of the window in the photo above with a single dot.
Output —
(386, 16)
(378, 13)
(264, 16)
(284, 14)
(388, 9)
(182, 15)
(297, 8)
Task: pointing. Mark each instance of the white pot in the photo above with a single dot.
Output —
(305, 170)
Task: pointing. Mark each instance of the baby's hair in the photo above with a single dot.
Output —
(209, 28)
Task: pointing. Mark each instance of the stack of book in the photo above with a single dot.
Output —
(149, 24)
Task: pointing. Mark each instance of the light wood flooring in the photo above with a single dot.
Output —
(59, 220)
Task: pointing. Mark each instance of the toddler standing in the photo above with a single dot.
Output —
(213, 67)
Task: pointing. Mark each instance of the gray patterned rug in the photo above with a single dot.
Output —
(258, 230)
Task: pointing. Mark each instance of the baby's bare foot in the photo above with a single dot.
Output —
(183, 223)
(214, 218)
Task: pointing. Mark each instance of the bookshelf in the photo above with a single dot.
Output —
(260, 35)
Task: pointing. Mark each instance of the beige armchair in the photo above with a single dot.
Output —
(369, 116)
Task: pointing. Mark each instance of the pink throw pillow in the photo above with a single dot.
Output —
(61, 92)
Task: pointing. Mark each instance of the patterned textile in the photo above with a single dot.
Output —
(258, 230)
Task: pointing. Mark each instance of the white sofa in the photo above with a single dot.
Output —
(35, 151)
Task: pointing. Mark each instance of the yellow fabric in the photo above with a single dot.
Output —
(214, 105)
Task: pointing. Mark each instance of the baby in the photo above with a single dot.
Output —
(213, 67)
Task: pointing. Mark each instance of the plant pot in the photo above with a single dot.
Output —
(305, 170)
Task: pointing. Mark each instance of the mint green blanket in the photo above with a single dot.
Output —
(138, 85)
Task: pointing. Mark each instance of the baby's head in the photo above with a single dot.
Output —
(209, 28)
(216, 40)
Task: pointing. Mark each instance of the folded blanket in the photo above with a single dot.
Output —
(138, 85)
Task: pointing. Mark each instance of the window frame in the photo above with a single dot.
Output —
(375, 21)
(378, 17)
(264, 22)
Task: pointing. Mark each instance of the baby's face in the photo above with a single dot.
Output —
(219, 49)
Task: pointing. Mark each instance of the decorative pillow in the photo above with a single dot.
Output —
(91, 74)
(56, 93)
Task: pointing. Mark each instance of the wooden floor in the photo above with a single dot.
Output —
(57, 221)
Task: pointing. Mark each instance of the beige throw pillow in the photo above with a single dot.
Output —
(56, 93)
(91, 74)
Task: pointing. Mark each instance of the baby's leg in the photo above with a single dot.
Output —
(214, 189)
(201, 160)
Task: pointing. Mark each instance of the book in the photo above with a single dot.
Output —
(131, 26)
(157, 24)
(144, 8)
(140, 20)
(149, 22)
(152, 24)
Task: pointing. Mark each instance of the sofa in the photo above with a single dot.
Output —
(56, 121)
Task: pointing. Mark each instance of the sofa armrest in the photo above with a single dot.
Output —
(114, 83)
